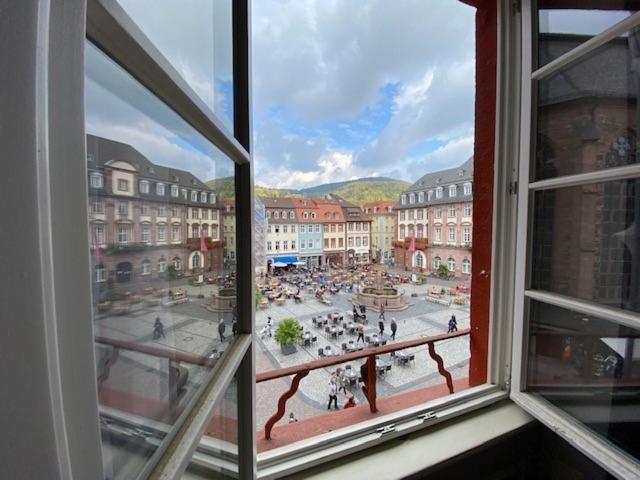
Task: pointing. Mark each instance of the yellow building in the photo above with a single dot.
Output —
(383, 227)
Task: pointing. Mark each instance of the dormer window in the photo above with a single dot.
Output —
(313, 215)
(453, 190)
(160, 189)
(439, 192)
(305, 215)
(276, 214)
(184, 193)
(96, 180)
(144, 186)
(203, 197)
(194, 196)
(403, 199)
(429, 195)
(174, 190)
(268, 212)
(212, 198)
(412, 198)
(467, 189)
(420, 197)
(123, 185)
(292, 214)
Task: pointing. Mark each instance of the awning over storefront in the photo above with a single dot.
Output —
(286, 260)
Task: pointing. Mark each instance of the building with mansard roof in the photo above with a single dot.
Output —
(146, 219)
(437, 210)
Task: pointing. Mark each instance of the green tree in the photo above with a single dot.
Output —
(288, 331)
(442, 271)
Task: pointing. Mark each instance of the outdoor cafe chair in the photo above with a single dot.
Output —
(344, 346)
(321, 352)
(347, 367)
(314, 339)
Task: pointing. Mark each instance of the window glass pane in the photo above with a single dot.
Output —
(587, 113)
(586, 243)
(195, 37)
(563, 29)
(217, 454)
(164, 295)
(588, 367)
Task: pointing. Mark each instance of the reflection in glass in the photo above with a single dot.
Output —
(586, 243)
(587, 112)
(220, 442)
(588, 367)
(196, 38)
(562, 29)
(164, 293)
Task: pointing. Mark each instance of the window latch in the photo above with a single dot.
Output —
(386, 429)
(427, 416)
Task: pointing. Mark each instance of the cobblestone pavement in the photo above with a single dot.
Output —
(421, 319)
(190, 328)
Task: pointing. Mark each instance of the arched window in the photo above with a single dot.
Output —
(162, 265)
(451, 264)
(466, 266)
(177, 263)
(419, 260)
(146, 267)
(436, 262)
(195, 260)
(101, 273)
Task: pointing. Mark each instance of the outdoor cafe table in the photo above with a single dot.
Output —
(306, 338)
(381, 365)
(375, 340)
(351, 327)
(351, 375)
(402, 356)
(334, 330)
(353, 347)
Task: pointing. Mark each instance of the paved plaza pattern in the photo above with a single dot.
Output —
(191, 328)
(421, 319)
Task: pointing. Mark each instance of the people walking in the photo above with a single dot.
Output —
(158, 329)
(381, 327)
(269, 326)
(234, 328)
(221, 328)
(360, 333)
(333, 392)
(342, 381)
(381, 311)
(453, 324)
(394, 328)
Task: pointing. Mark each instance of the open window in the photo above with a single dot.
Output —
(576, 363)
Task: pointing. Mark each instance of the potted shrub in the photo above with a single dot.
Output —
(287, 335)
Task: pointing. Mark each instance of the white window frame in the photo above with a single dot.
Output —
(160, 190)
(438, 193)
(144, 186)
(96, 180)
(203, 197)
(473, 398)
(145, 233)
(467, 189)
(175, 191)
(123, 185)
(453, 191)
(569, 428)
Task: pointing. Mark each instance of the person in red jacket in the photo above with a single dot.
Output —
(351, 402)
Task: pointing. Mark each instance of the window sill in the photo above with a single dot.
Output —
(442, 442)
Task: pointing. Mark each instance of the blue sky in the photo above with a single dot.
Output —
(342, 89)
(356, 89)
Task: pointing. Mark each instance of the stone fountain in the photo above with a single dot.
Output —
(222, 300)
(377, 294)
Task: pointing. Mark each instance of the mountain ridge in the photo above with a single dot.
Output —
(358, 191)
